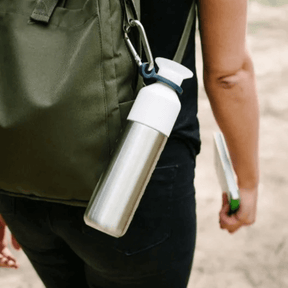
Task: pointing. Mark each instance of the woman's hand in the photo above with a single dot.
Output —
(6, 258)
(245, 216)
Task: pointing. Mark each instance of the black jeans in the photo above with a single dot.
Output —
(157, 250)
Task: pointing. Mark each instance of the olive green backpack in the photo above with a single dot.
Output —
(67, 83)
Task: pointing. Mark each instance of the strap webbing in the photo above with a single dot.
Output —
(178, 57)
(43, 10)
(137, 8)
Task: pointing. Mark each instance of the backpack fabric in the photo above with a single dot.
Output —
(67, 83)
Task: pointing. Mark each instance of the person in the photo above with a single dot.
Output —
(158, 248)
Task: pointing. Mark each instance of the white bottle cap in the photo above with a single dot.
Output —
(158, 105)
(172, 70)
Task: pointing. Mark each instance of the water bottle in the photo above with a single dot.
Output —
(150, 121)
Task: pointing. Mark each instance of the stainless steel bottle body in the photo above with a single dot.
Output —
(120, 188)
(150, 122)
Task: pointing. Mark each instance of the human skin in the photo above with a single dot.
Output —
(6, 258)
(229, 82)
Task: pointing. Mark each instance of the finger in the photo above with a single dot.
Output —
(225, 200)
(7, 262)
(231, 228)
(225, 206)
(7, 259)
(234, 228)
(227, 221)
(15, 244)
(224, 210)
(231, 223)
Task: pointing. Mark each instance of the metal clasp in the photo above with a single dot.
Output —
(144, 41)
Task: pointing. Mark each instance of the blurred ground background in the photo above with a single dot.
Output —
(256, 256)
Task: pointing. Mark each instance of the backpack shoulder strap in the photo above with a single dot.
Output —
(178, 57)
(137, 8)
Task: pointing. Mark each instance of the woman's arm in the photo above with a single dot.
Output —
(230, 85)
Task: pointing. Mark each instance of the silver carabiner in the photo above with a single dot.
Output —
(144, 41)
